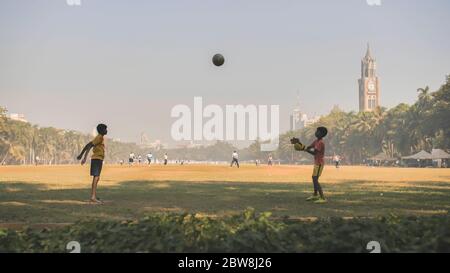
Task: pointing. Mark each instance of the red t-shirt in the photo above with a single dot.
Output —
(319, 147)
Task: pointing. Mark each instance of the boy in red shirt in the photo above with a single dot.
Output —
(317, 149)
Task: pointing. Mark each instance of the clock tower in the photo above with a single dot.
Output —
(369, 84)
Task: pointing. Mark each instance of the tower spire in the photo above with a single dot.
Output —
(369, 86)
(369, 52)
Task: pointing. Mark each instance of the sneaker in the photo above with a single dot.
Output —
(312, 198)
(320, 201)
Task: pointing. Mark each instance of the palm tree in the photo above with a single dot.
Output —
(285, 148)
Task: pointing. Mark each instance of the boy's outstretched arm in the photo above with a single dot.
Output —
(85, 151)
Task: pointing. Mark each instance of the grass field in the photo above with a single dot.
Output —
(59, 194)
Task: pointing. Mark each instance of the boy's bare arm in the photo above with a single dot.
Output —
(85, 152)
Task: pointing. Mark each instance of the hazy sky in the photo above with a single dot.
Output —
(127, 63)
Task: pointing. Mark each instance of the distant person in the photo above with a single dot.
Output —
(336, 160)
(317, 149)
(121, 162)
(149, 158)
(36, 161)
(257, 162)
(269, 160)
(96, 160)
(131, 158)
(139, 159)
(235, 159)
(165, 158)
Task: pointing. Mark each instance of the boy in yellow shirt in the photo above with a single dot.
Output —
(96, 160)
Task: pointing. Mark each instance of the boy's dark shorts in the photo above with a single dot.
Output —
(96, 167)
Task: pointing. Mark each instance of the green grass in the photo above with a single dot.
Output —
(34, 203)
(145, 209)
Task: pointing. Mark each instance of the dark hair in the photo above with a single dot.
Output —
(101, 128)
(322, 131)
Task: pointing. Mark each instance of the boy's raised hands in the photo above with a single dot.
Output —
(297, 144)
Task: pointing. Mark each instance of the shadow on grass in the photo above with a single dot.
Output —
(34, 203)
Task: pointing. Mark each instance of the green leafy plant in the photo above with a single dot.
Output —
(247, 232)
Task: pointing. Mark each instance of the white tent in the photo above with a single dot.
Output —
(439, 154)
(440, 157)
(422, 155)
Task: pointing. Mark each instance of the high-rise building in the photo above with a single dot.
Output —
(300, 120)
(296, 116)
(296, 120)
(369, 83)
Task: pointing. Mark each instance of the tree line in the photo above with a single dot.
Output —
(24, 143)
(399, 131)
(355, 136)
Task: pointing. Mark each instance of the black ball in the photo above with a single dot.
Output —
(218, 60)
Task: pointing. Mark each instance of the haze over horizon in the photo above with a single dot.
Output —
(127, 64)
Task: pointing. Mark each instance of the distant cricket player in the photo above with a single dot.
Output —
(166, 157)
(149, 158)
(269, 160)
(336, 160)
(97, 158)
(317, 149)
(131, 158)
(235, 159)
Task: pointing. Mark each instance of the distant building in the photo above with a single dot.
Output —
(147, 144)
(296, 120)
(157, 145)
(17, 117)
(369, 84)
(307, 122)
(299, 120)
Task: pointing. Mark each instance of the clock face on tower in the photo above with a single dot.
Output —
(371, 86)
